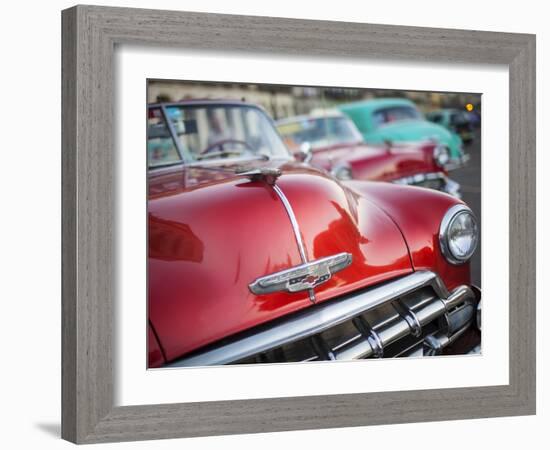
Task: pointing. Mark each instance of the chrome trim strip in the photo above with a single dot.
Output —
(293, 221)
(450, 186)
(421, 177)
(172, 130)
(296, 229)
(217, 164)
(321, 317)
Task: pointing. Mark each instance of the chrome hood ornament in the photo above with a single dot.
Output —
(303, 277)
(267, 174)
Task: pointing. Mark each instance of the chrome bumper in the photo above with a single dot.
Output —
(457, 163)
(445, 184)
(417, 300)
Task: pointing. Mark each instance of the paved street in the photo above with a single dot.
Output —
(470, 179)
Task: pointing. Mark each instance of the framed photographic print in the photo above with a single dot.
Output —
(267, 230)
(317, 268)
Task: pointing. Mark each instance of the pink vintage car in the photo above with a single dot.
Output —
(329, 140)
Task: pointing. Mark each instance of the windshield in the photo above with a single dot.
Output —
(319, 132)
(394, 114)
(210, 132)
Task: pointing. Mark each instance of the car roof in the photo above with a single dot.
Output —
(376, 103)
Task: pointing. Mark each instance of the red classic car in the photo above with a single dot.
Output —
(256, 257)
(336, 145)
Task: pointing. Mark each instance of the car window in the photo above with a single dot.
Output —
(222, 131)
(161, 149)
(319, 132)
(435, 117)
(394, 114)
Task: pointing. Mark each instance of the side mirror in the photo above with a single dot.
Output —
(304, 154)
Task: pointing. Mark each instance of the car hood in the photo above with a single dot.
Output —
(378, 162)
(345, 150)
(414, 130)
(213, 232)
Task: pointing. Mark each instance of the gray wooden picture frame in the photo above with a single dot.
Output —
(90, 34)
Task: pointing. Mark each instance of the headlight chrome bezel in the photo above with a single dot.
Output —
(448, 219)
(438, 152)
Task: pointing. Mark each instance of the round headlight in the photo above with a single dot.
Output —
(458, 234)
(342, 173)
(442, 156)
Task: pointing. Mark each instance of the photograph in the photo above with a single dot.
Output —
(292, 224)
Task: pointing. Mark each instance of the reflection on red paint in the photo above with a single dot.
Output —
(378, 162)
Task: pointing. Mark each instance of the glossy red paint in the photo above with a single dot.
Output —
(378, 163)
(418, 213)
(155, 357)
(212, 233)
(335, 219)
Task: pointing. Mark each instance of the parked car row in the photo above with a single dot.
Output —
(331, 141)
(258, 253)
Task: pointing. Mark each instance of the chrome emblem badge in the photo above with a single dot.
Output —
(303, 277)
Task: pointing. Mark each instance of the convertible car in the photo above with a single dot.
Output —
(255, 257)
(396, 120)
(336, 145)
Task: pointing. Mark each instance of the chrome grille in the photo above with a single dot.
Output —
(386, 320)
(437, 184)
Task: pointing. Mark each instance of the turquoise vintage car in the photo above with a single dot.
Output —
(398, 120)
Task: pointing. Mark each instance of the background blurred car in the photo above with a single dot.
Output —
(336, 145)
(399, 120)
(454, 120)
